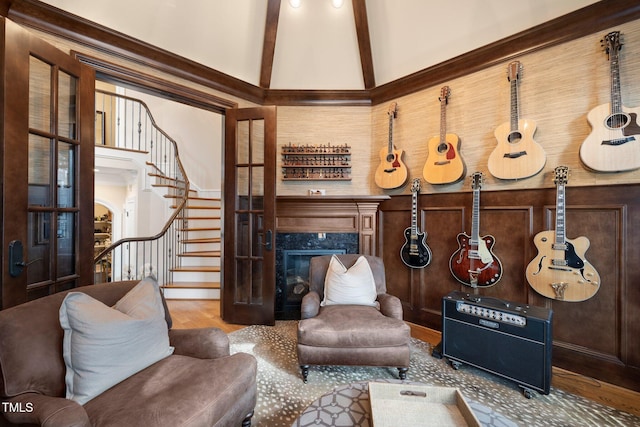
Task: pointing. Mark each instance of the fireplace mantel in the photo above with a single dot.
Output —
(331, 214)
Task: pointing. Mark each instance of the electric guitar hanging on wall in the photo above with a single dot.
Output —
(415, 253)
(392, 172)
(474, 263)
(614, 142)
(444, 164)
(517, 155)
(560, 270)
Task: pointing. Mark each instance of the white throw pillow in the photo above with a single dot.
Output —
(103, 346)
(349, 286)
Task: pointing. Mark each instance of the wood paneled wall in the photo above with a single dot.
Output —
(597, 337)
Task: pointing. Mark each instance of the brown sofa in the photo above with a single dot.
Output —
(356, 335)
(201, 384)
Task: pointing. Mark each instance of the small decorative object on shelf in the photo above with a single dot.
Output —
(316, 162)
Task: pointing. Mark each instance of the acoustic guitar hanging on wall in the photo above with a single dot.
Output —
(444, 164)
(392, 172)
(415, 253)
(474, 263)
(613, 144)
(560, 270)
(517, 155)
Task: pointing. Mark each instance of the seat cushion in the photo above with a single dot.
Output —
(352, 326)
(181, 391)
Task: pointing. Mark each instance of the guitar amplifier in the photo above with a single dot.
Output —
(508, 339)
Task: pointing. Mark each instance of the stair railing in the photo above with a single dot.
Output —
(126, 123)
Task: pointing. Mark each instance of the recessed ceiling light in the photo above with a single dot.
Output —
(337, 3)
(295, 3)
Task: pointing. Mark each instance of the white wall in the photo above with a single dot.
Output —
(198, 134)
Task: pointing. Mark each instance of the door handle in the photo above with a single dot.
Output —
(268, 245)
(16, 261)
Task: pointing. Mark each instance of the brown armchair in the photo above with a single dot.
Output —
(356, 335)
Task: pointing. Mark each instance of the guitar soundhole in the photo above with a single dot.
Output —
(514, 137)
(617, 121)
(443, 148)
(391, 157)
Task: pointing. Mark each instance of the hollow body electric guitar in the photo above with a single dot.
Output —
(517, 155)
(613, 144)
(474, 263)
(415, 253)
(392, 172)
(560, 270)
(444, 164)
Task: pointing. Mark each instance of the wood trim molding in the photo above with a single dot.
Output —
(137, 80)
(364, 43)
(269, 43)
(596, 17)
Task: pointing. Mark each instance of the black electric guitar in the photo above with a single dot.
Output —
(560, 271)
(613, 144)
(415, 253)
(474, 263)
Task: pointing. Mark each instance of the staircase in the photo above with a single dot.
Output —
(185, 256)
(197, 273)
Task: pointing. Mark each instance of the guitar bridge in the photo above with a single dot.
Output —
(442, 163)
(390, 170)
(618, 141)
(514, 155)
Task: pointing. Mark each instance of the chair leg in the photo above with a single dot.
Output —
(247, 420)
(402, 373)
(305, 372)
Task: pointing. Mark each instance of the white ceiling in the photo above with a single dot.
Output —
(316, 44)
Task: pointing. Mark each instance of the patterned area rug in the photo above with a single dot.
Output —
(283, 397)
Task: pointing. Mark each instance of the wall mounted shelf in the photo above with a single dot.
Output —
(323, 162)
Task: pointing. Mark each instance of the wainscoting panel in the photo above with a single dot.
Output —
(596, 337)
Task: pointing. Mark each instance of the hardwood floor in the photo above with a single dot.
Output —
(202, 314)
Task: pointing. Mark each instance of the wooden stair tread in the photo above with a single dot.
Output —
(199, 229)
(200, 254)
(193, 285)
(203, 240)
(210, 199)
(199, 268)
(199, 207)
(201, 217)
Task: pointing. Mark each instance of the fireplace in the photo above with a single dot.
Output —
(293, 253)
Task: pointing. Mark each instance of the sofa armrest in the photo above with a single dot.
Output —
(390, 306)
(202, 343)
(47, 411)
(310, 306)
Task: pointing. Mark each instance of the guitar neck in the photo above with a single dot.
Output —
(443, 121)
(390, 147)
(616, 98)
(514, 105)
(475, 218)
(560, 215)
(414, 216)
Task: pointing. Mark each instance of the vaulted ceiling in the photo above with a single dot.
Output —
(316, 46)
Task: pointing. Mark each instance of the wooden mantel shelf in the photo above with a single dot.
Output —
(331, 214)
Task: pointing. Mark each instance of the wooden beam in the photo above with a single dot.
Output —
(269, 45)
(364, 43)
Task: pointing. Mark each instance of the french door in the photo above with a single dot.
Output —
(248, 281)
(47, 169)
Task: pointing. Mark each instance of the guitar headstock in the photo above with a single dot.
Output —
(514, 70)
(611, 43)
(393, 110)
(476, 180)
(561, 175)
(415, 185)
(444, 94)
